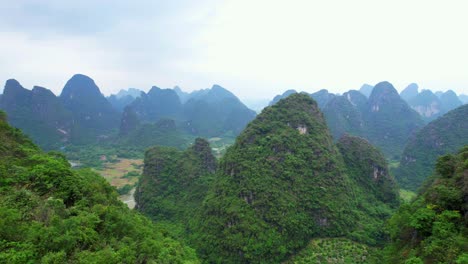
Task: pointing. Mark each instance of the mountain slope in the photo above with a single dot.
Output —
(182, 179)
(215, 112)
(322, 97)
(157, 104)
(427, 104)
(345, 114)
(89, 108)
(410, 92)
(366, 89)
(282, 96)
(390, 120)
(442, 136)
(433, 228)
(284, 182)
(450, 100)
(38, 112)
(50, 213)
(272, 192)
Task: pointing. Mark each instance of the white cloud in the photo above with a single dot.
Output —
(256, 48)
(339, 44)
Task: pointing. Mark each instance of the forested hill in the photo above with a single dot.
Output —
(390, 121)
(442, 136)
(384, 119)
(434, 227)
(283, 183)
(52, 214)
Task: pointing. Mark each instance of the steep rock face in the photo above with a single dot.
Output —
(427, 104)
(38, 112)
(322, 97)
(280, 184)
(89, 108)
(409, 92)
(216, 111)
(344, 114)
(390, 120)
(442, 136)
(158, 104)
(366, 89)
(369, 169)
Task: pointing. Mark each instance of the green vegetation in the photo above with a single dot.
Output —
(280, 185)
(334, 251)
(442, 136)
(434, 227)
(407, 195)
(52, 214)
(390, 121)
(182, 180)
(345, 114)
(216, 112)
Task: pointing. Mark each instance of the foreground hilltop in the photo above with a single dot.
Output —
(283, 183)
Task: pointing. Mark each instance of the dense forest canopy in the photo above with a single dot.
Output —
(50, 213)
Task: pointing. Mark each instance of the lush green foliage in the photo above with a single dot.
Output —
(374, 189)
(182, 180)
(52, 214)
(281, 184)
(390, 121)
(334, 251)
(434, 227)
(444, 135)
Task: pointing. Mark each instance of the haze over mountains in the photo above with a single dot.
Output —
(379, 114)
(81, 114)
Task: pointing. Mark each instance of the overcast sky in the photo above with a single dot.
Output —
(255, 48)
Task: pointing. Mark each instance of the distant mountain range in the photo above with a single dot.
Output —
(428, 104)
(445, 135)
(81, 114)
(383, 118)
(381, 115)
